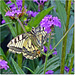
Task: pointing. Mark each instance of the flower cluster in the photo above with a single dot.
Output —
(12, 13)
(15, 9)
(49, 72)
(54, 53)
(48, 22)
(3, 64)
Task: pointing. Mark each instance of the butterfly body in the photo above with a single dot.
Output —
(24, 44)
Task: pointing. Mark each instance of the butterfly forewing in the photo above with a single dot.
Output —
(16, 44)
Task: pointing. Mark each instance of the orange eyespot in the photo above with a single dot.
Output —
(38, 52)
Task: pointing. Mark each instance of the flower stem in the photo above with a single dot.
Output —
(60, 40)
(19, 58)
(72, 59)
(66, 5)
(47, 53)
(22, 26)
(65, 40)
(45, 63)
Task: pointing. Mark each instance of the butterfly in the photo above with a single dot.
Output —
(23, 44)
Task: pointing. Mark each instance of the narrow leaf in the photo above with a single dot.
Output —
(17, 68)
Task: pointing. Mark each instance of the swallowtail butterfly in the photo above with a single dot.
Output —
(22, 44)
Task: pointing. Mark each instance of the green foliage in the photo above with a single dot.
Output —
(17, 68)
(36, 20)
(37, 66)
(4, 33)
(59, 31)
(70, 36)
(52, 64)
(7, 19)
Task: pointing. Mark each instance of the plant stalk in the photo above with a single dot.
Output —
(65, 40)
(72, 59)
(66, 5)
(45, 62)
(19, 58)
(47, 53)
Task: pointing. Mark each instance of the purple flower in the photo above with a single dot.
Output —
(55, 53)
(31, 13)
(49, 72)
(45, 49)
(9, 2)
(3, 64)
(71, 3)
(3, 21)
(19, 4)
(67, 69)
(48, 22)
(12, 13)
(15, 10)
(56, 21)
(72, 69)
(51, 47)
(11, 6)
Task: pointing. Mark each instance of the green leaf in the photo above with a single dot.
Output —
(70, 35)
(1, 52)
(31, 64)
(29, 69)
(5, 24)
(69, 56)
(13, 1)
(19, 59)
(36, 20)
(17, 68)
(6, 18)
(52, 64)
(59, 31)
(23, 3)
(4, 33)
(25, 63)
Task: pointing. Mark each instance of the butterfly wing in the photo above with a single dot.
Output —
(16, 44)
(23, 44)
